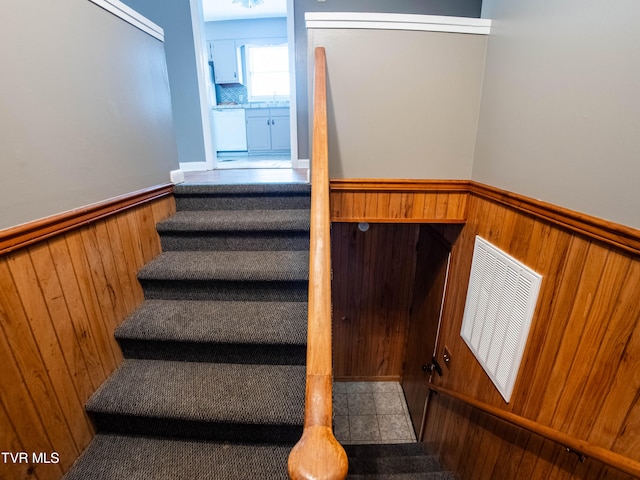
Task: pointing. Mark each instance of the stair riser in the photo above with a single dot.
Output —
(417, 464)
(387, 450)
(295, 291)
(215, 353)
(238, 241)
(177, 428)
(232, 202)
(404, 476)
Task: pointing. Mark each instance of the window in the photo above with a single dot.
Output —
(267, 72)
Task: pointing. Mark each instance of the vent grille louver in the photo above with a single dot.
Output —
(500, 303)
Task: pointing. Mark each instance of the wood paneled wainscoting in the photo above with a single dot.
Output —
(580, 371)
(66, 282)
(374, 271)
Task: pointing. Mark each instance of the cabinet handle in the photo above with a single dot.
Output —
(235, 74)
(268, 122)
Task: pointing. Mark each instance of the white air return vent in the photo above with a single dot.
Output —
(501, 299)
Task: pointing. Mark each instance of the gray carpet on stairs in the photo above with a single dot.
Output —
(236, 230)
(122, 457)
(228, 266)
(206, 392)
(237, 220)
(208, 331)
(227, 276)
(213, 381)
(233, 322)
(243, 197)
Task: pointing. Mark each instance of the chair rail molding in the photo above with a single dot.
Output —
(398, 21)
(132, 17)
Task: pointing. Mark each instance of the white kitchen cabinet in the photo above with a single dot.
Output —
(227, 64)
(258, 130)
(280, 132)
(268, 129)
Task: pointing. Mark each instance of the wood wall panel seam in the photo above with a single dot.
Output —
(22, 235)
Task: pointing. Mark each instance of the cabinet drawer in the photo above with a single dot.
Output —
(279, 112)
(257, 112)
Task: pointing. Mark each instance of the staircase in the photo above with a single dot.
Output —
(213, 380)
(404, 461)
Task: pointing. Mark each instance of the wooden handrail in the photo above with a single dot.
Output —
(318, 455)
(580, 447)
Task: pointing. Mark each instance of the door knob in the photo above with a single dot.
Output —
(434, 365)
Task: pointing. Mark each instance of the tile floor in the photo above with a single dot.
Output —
(371, 412)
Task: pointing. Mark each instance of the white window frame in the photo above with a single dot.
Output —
(250, 78)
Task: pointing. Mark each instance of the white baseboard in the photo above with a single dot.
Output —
(176, 176)
(194, 166)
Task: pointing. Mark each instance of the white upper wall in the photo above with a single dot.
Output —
(560, 115)
(86, 111)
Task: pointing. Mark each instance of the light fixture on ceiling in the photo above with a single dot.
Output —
(248, 3)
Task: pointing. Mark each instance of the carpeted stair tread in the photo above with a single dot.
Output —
(271, 323)
(275, 196)
(121, 457)
(204, 392)
(236, 220)
(228, 266)
(242, 189)
(216, 352)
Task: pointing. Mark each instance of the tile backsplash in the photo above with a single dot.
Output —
(231, 93)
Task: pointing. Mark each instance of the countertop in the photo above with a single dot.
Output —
(226, 106)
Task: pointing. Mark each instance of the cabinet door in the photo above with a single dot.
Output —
(280, 133)
(225, 62)
(258, 130)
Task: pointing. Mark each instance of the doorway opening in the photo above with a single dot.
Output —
(388, 291)
(251, 84)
